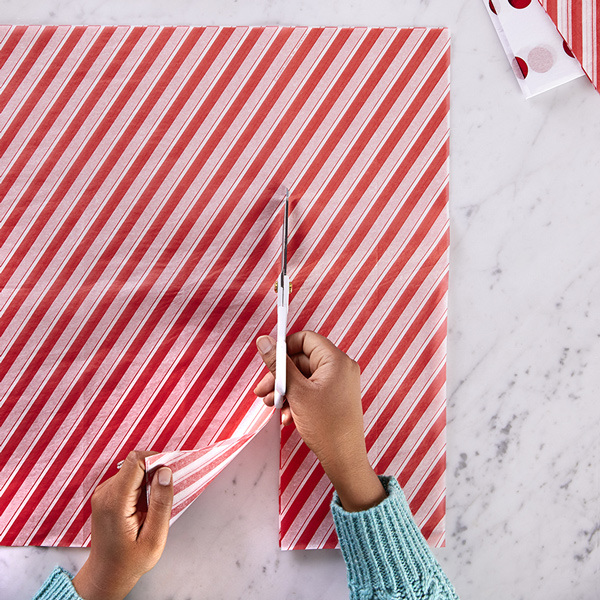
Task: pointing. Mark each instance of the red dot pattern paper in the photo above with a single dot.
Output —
(535, 49)
(579, 24)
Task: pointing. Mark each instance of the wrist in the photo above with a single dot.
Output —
(356, 484)
(97, 583)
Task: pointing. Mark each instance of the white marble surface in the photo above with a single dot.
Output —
(524, 338)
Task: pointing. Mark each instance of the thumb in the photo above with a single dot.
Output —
(267, 349)
(156, 524)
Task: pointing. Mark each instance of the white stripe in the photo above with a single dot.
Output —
(18, 55)
(48, 54)
(587, 35)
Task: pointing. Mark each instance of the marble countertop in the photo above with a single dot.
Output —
(524, 338)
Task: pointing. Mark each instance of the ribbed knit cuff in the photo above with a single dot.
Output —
(385, 553)
(58, 586)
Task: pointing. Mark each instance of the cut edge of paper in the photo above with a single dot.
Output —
(193, 470)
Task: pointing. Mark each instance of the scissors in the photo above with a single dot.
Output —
(283, 299)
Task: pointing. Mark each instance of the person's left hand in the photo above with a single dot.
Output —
(126, 543)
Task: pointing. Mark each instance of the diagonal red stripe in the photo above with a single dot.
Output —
(428, 484)
(436, 518)
(41, 88)
(8, 47)
(577, 25)
(26, 65)
(552, 9)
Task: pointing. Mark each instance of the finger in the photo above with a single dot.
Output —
(266, 385)
(156, 525)
(131, 475)
(286, 416)
(317, 348)
(304, 342)
(267, 350)
(303, 363)
(269, 399)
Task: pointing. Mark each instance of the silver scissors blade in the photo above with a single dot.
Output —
(285, 235)
(282, 315)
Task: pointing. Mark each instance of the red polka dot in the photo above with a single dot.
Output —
(493, 8)
(567, 49)
(540, 59)
(519, 3)
(520, 67)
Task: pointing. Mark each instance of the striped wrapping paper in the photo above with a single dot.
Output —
(140, 244)
(578, 21)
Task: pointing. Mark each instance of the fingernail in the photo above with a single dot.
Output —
(164, 476)
(264, 344)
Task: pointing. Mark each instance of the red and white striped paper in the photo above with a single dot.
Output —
(139, 247)
(579, 24)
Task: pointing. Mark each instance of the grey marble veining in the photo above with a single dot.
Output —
(523, 470)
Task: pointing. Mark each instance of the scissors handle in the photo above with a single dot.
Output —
(281, 348)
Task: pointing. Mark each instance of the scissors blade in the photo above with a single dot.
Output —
(282, 313)
(284, 234)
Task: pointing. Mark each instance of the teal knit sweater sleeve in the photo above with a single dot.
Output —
(58, 586)
(386, 555)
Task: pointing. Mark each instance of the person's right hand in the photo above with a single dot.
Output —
(324, 402)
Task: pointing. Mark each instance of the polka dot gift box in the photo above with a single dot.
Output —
(539, 56)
